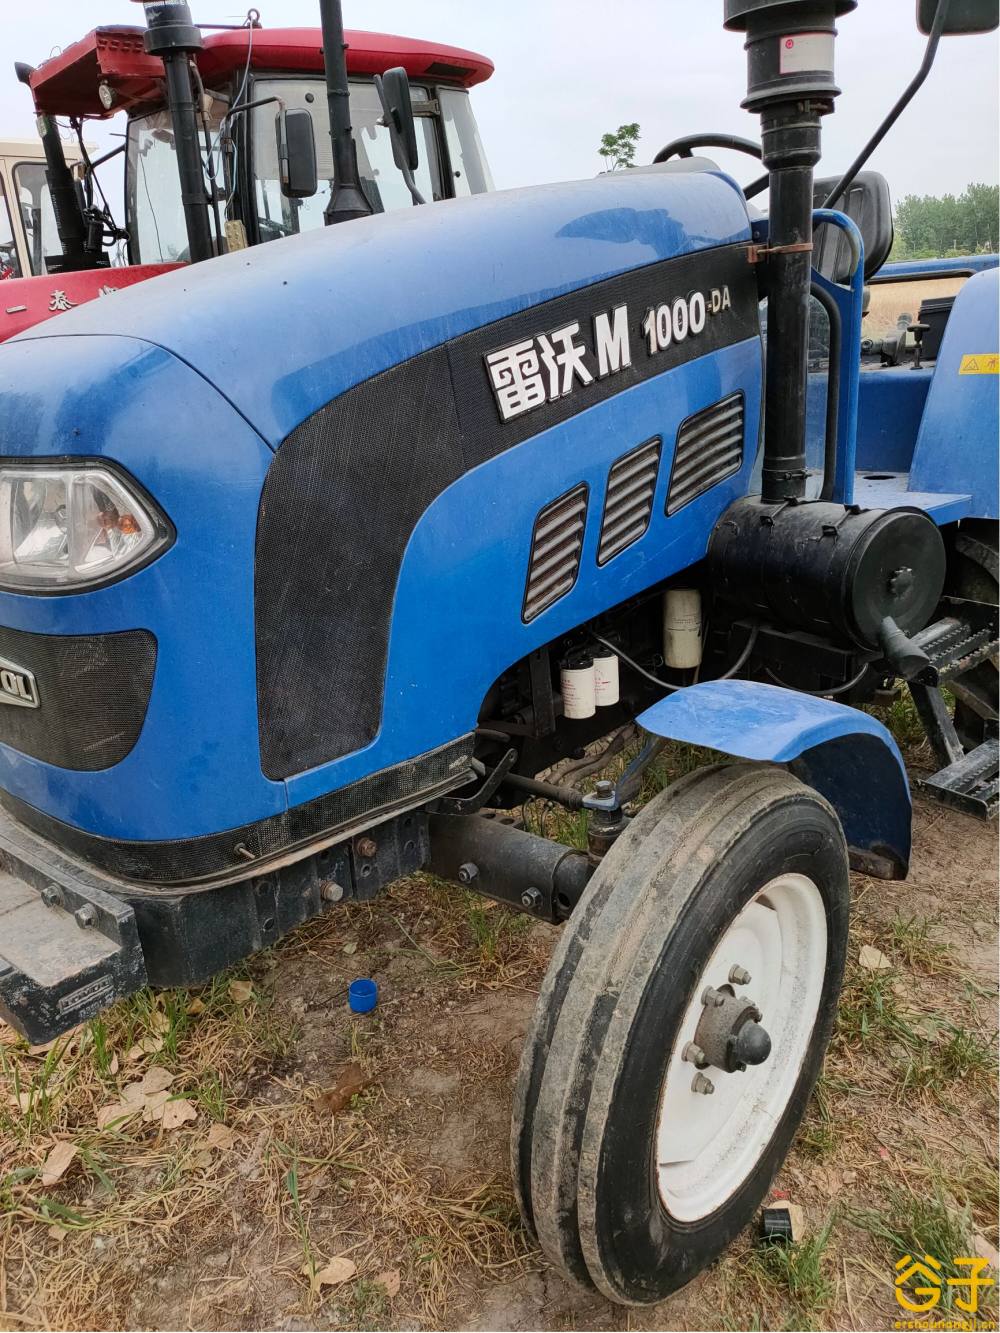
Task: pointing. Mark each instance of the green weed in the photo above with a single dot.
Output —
(798, 1273)
(920, 1225)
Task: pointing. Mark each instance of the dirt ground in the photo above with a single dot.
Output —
(318, 1170)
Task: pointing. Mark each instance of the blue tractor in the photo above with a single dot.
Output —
(314, 555)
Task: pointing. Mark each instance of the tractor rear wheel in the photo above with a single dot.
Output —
(973, 574)
(681, 1029)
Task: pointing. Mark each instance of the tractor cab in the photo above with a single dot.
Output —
(286, 72)
(25, 210)
(260, 111)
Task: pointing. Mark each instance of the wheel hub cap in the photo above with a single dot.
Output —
(729, 1033)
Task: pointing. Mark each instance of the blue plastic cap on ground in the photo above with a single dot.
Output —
(362, 995)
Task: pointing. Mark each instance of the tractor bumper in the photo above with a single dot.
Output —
(68, 948)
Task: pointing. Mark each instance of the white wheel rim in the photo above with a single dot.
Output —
(707, 1145)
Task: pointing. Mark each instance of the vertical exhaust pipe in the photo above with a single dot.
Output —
(71, 226)
(790, 84)
(171, 35)
(347, 199)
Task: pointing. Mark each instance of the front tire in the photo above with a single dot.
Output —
(631, 1179)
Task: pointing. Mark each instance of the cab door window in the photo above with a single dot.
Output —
(35, 203)
(10, 265)
(469, 168)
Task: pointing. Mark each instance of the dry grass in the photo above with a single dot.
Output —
(298, 1185)
(169, 1227)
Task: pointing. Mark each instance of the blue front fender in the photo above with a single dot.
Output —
(847, 756)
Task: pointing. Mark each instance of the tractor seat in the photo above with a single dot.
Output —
(868, 205)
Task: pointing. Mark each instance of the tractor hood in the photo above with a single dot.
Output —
(351, 435)
(284, 328)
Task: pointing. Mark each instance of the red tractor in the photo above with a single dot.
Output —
(230, 142)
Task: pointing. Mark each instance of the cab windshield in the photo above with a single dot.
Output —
(157, 231)
(451, 163)
(455, 166)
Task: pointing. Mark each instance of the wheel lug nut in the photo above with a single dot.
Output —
(702, 1084)
(693, 1054)
(711, 998)
(739, 976)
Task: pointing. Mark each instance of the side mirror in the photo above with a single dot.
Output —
(296, 154)
(394, 93)
(963, 16)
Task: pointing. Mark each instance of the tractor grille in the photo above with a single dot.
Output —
(93, 692)
(556, 544)
(709, 448)
(628, 503)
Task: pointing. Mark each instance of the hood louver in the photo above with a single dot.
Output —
(556, 544)
(709, 449)
(628, 503)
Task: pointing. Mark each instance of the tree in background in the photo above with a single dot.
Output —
(618, 149)
(930, 226)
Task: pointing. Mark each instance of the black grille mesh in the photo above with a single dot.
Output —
(340, 501)
(628, 502)
(556, 544)
(709, 449)
(93, 692)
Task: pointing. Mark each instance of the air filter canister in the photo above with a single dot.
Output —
(829, 569)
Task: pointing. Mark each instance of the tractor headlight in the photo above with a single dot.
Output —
(70, 527)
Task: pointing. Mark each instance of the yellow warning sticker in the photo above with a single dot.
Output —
(980, 363)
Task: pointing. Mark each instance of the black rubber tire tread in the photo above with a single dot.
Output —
(973, 573)
(562, 1101)
(974, 570)
(682, 832)
(736, 810)
(562, 966)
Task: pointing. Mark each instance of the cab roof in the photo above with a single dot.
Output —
(30, 150)
(67, 84)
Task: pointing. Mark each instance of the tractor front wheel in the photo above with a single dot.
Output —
(681, 1029)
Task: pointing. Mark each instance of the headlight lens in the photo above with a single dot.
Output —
(69, 527)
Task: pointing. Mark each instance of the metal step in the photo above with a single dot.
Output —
(971, 783)
(961, 640)
(68, 948)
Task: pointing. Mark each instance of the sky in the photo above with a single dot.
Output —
(568, 70)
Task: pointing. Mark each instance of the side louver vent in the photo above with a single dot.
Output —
(709, 448)
(556, 544)
(629, 500)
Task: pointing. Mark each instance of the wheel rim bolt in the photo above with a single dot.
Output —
(702, 1084)
(712, 998)
(693, 1054)
(739, 976)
